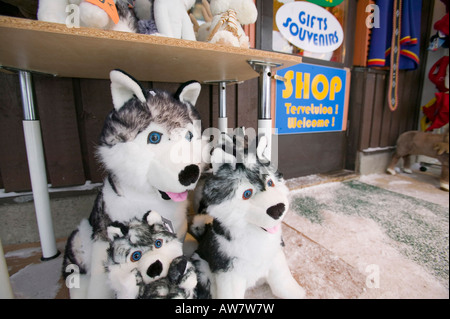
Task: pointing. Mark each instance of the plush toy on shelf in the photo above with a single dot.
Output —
(54, 11)
(91, 14)
(224, 20)
(172, 19)
(146, 17)
(145, 261)
(167, 18)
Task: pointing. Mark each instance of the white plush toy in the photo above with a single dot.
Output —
(90, 15)
(172, 19)
(54, 10)
(223, 25)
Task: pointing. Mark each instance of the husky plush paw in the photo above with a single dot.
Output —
(179, 283)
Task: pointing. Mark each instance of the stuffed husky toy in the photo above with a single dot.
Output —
(170, 17)
(146, 17)
(91, 15)
(146, 150)
(242, 246)
(145, 261)
(223, 22)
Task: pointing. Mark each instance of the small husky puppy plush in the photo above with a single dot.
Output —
(243, 245)
(146, 148)
(145, 261)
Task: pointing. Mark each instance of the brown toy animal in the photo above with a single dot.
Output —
(421, 143)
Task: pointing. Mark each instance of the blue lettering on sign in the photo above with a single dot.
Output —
(309, 21)
(319, 39)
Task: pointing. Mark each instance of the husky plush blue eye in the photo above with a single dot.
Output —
(270, 183)
(158, 243)
(189, 136)
(154, 137)
(247, 194)
(136, 256)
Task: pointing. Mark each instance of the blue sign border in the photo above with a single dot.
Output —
(314, 99)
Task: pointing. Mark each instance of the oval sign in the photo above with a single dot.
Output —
(327, 3)
(309, 27)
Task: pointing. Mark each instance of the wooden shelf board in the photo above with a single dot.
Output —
(92, 53)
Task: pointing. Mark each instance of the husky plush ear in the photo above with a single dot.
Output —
(189, 92)
(124, 87)
(116, 230)
(220, 157)
(263, 151)
(152, 218)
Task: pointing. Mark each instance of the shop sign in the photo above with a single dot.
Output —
(309, 27)
(312, 99)
(327, 3)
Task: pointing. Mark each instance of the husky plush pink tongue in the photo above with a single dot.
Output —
(178, 197)
(273, 230)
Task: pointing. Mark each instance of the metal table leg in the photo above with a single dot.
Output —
(223, 120)
(264, 101)
(36, 164)
(5, 287)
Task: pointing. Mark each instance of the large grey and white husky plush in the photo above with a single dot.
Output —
(243, 245)
(140, 148)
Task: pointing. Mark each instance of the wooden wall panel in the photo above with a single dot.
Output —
(306, 154)
(367, 112)
(247, 104)
(377, 114)
(94, 104)
(372, 123)
(57, 114)
(204, 106)
(387, 115)
(13, 157)
(356, 103)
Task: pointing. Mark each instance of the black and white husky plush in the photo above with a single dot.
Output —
(145, 261)
(146, 149)
(242, 246)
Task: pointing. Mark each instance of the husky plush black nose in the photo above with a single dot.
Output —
(155, 269)
(276, 211)
(189, 175)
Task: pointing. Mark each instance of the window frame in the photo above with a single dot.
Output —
(264, 26)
